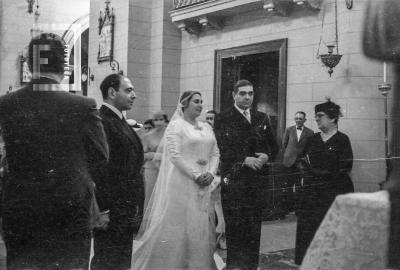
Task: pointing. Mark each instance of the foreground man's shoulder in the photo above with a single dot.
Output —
(12, 97)
(84, 101)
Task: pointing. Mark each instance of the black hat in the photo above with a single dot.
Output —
(330, 108)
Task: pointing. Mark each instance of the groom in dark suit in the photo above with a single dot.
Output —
(246, 144)
(55, 144)
(294, 140)
(120, 189)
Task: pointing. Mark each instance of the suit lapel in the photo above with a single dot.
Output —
(121, 126)
(255, 119)
(127, 130)
(303, 134)
(241, 118)
(133, 137)
(293, 133)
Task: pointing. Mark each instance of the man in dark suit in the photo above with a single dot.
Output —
(120, 190)
(55, 143)
(246, 144)
(294, 140)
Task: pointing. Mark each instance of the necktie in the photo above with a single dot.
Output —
(247, 115)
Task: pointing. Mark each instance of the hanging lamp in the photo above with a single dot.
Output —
(331, 59)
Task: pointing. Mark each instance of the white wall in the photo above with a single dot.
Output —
(147, 46)
(353, 84)
(15, 25)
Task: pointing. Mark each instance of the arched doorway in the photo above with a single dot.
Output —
(68, 37)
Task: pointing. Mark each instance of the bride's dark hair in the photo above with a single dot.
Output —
(186, 97)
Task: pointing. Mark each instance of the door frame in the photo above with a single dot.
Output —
(279, 45)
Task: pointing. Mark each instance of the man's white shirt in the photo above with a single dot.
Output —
(115, 110)
(298, 132)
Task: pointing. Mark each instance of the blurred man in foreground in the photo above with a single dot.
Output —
(55, 143)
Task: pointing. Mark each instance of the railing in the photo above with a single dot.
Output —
(185, 3)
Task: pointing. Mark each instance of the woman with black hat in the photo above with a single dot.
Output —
(327, 162)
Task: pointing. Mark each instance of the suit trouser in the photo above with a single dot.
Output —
(293, 178)
(53, 253)
(113, 247)
(54, 236)
(243, 229)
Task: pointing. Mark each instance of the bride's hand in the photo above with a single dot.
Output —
(205, 179)
(202, 162)
(149, 155)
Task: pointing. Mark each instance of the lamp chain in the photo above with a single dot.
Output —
(336, 28)
(322, 30)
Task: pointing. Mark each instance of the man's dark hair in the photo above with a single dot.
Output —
(301, 112)
(112, 80)
(166, 118)
(149, 122)
(55, 56)
(212, 111)
(241, 83)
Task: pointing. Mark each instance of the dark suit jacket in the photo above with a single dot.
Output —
(54, 142)
(293, 148)
(238, 139)
(120, 189)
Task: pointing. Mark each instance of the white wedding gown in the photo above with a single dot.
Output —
(178, 229)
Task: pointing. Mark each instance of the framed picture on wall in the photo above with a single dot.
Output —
(106, 34)
(26, 75)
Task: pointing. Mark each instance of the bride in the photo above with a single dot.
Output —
(178, 230)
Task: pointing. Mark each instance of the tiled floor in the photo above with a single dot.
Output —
(278, 235)
(278, 260)
(277, 245)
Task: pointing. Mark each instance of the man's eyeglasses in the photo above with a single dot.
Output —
(209, 118)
